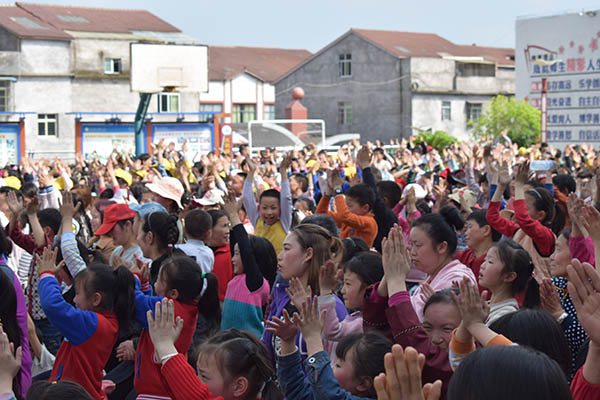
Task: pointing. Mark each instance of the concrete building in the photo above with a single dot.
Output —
(69, 68)
(385, 84)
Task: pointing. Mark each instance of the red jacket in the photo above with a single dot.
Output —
(148, 379)
(223, 269)
(582, 389)
(401, 324)
(183, 382)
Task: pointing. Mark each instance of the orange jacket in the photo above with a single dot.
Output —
(350, 224)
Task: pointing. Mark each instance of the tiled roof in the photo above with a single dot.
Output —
(266, 64)
(413, 44)
(23, 24)
(97, 19)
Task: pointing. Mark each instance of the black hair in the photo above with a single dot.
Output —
(441, 227)
(479, 216)
(536, 328)
(516, 259)
(441, 296)
(6, 189)
(29, 189)
(391, 191)
(239, 353)
(508, 372)
(423, 207)
(352, 246)
(138, 189)
(107, 194)
(117, 287)
(163, 227)
(368, 350)
(566, 233)
(122, 222)
(367, 265)
(555, 216)
(143, 157)
(302, 180)
(362, 194)
(197, 223)
(8, 317)
(269, 193)
(308, 202)
(45, 390)
(563, 182)
(50, 217)
(266, 258)
(184, 274)
(216, 215)
(325, 221)
(6, 245)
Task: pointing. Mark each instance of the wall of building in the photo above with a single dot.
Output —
(376, 101)
(427, 112)
(45, 57)
(89, 54)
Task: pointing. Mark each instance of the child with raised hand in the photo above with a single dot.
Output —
(104, 304)
(506, 271)
(353, 209)
(272, 218)
(10, 364)
(180, 279)
(359, 358)
(254, 265)
(232, 365)
(534, 213)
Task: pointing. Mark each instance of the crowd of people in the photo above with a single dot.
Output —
(397, 271)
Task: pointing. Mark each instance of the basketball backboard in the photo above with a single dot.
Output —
(155, 67)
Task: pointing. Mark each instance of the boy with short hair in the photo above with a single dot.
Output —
(353, 209)
(198, 224)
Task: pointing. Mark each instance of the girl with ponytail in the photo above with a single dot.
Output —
(506, 271)
(306, 249)
(181, 280)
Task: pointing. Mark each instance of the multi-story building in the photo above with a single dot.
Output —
(386, 85)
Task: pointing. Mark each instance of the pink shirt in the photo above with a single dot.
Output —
(454, 271)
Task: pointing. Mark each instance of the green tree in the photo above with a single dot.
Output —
(437, 139)
(520, 119)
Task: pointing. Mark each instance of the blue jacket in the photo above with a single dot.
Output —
(323, 385)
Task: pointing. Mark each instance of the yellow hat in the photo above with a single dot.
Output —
(126, 176)
(13, 182)
(310, 163)
(141, 173)
(523, 151)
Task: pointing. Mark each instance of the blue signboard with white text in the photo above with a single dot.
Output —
(102, 139)
(10, 145)
(199, 138)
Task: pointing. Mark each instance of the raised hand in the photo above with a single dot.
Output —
(364, 157)
(522, 174)
(549, 299)
(33, 207)
(15, 205)
(396, 263)
(327, 280)
(402, 378)
(584, 287)
(284, 328)
(297, 293)
(591, 222)
(47, 263)
(473, 308)
(504, 177)
(164, 328)
(251, 165)
(311, 324)
(231, 207)
(67, 209)
(426, 291)
(285, 164)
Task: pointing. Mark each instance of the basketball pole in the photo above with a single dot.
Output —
(140, 115)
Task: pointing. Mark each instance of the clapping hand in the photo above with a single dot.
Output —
(327, 279)
(396, 262)
(584, 287)
(311, 324)
(402, 378)
(164, 328)
(283, 327)
(296, 292)
(473, 307)
(15, 205)
(47, 263)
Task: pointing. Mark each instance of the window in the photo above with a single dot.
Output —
(47, 124)
(112, 65)
(209, 107)
(475, 69)
(4, 95)
(168, 102)
(345, 65)
(446, 111)
(473, 111)
(243, 113)
(73, 18)
(28, 23)
(269, 111)
(345, 113)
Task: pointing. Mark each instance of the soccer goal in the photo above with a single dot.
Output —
(285, 133)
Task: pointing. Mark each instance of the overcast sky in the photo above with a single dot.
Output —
(312, 24)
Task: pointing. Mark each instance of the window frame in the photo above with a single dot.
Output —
(345, 113)
(270, 106)
(207, 117)
(447, 103)
(236, 115)
(471, 107)
(169, 95)
(112, 62)
(345, 65)
(5, 89)
(46, 120)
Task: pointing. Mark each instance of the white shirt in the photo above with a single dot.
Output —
(203, 254)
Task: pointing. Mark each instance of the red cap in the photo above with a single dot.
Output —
(113, 214)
